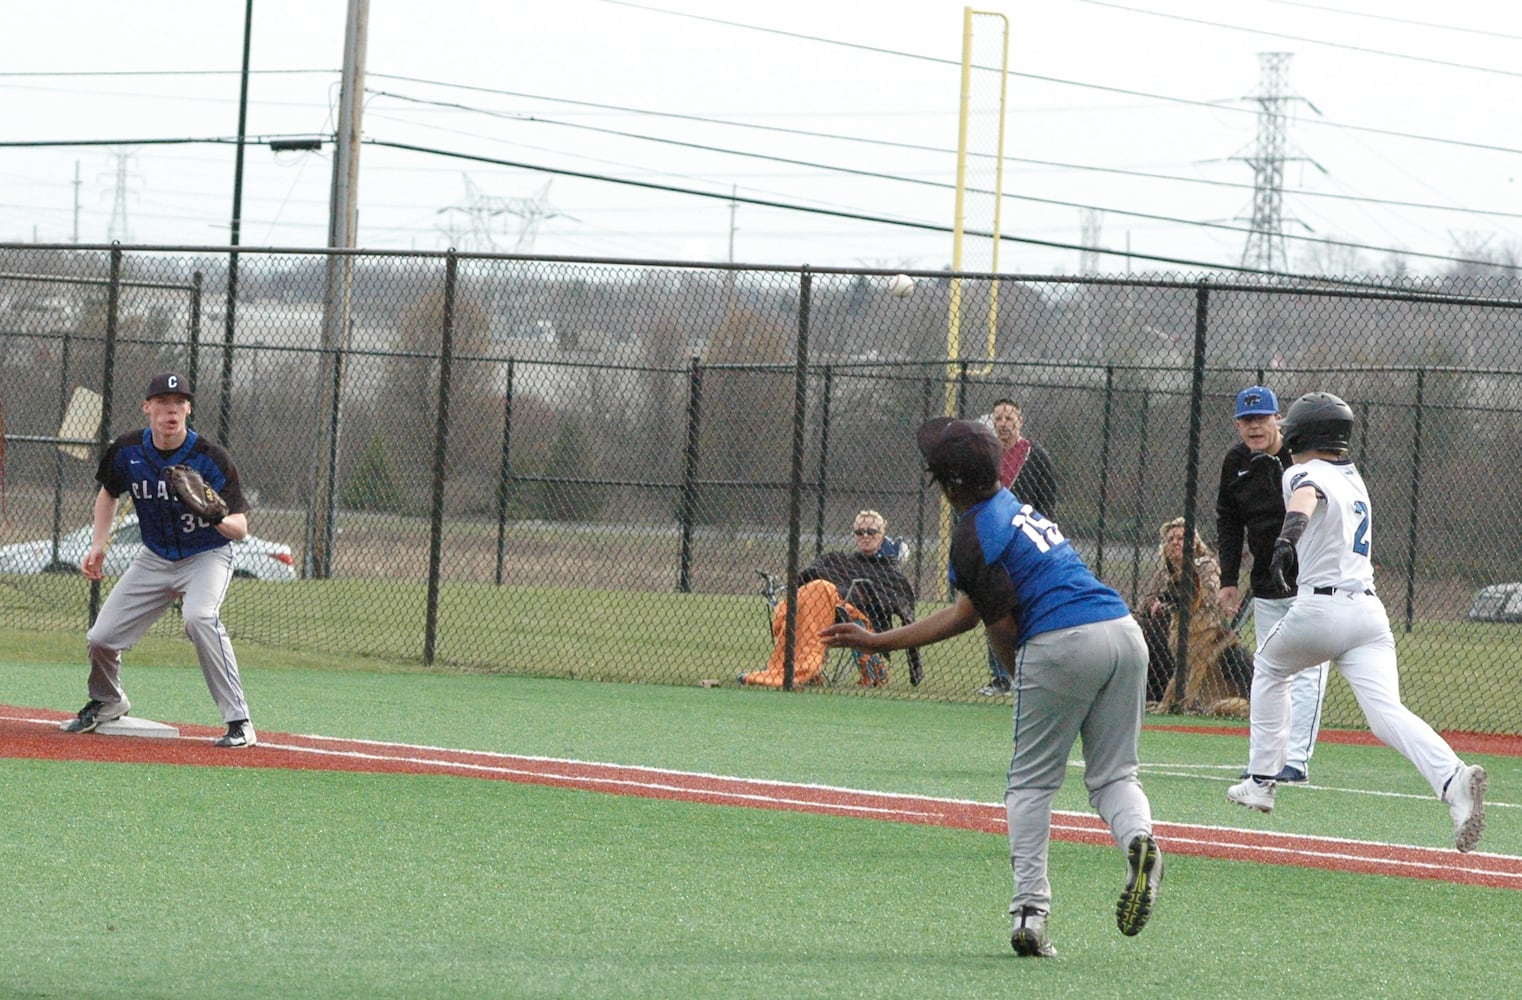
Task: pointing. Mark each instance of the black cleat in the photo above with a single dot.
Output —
(239, 734)
(1028, 934)
(93, 714)
(1140, 894)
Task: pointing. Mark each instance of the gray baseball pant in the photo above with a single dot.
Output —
(144, 592)
(1087, 682)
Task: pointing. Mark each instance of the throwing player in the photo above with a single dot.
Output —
(1078, 660)
(1250, 502)
(183, 555)
(1328, 531)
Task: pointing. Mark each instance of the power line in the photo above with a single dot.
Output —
(1366, 50)
(25, 74)
(892, 144)
(1389, 19)
(793, 206)
(927, 226)
(1214, 106)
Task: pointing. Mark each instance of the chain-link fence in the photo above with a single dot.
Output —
(586, 467)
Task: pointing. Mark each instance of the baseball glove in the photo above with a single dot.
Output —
(194, 492)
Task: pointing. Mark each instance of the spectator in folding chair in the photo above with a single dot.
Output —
(865, 586)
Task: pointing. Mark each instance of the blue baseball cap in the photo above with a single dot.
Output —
(1256, 400)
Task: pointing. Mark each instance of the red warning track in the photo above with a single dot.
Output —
(34, 734)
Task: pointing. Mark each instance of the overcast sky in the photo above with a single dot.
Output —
(1136, 118)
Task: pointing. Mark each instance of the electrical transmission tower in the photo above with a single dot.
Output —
(494, 224)
(1265, 249)
(1088, 257)
(118, 230)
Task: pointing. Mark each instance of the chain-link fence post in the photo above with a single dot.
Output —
(1107, 429)
(1416, 494)
(689, 504)
(795, 475)
(821, 488)
(1185, 610)
(440, 459)
(504, 475)
(108, 380)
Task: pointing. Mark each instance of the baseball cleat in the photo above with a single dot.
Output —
(1028, 935)
(1140, 894)
(239, 734)
(1254, 794)
(93, 714)
(1291, 775)
(1466, 803)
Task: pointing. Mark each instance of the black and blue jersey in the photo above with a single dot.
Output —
(1007, 558)
(133, 465)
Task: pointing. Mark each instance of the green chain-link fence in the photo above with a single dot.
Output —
(585, 467)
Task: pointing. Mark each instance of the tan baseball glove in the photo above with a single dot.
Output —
(194, 492)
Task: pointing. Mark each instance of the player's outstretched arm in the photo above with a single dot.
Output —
(944, 624)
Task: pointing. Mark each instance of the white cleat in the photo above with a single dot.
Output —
(1253, 794)
(1466, 803)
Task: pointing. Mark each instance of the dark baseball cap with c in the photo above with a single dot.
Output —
(960, 452)
(165, 383)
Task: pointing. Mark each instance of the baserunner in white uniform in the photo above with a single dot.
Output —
(1329, 532)
(183, 556)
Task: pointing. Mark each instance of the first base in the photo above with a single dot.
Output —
(128, 725)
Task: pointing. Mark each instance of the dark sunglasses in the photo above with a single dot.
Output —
(866, 531)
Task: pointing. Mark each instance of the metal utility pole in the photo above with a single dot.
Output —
(76, 201)
(229, 323)
(343, 218)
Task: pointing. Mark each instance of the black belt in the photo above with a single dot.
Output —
(1329, 591)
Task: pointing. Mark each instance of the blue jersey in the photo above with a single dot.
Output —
(1007, 558)
(133, 465)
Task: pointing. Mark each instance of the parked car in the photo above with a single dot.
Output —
(1501, 602)
(253, 557)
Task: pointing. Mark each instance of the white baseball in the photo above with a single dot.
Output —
(900, 285)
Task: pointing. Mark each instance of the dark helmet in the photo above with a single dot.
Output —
(1318, 421)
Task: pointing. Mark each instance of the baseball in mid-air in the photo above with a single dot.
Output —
(900, 285)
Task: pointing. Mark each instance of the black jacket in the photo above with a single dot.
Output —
(1037, 482)
(1250, 502)
(887, 593)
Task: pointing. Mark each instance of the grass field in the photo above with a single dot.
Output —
(1449, 670)
(158, 881)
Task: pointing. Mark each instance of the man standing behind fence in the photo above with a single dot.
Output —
(1250, 502)
(1026, 470)
(184, 556)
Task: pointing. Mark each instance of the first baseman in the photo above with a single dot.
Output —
(1078, 663)
(1329, 531)
(183, 556)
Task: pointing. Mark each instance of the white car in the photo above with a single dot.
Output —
(253, 557)
(1500, 602)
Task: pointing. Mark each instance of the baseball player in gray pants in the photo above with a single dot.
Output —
(183, 556)
(1077, 661)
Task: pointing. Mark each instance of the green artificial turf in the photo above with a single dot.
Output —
(201, 881)
(195, 881)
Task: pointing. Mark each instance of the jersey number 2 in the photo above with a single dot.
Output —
(1361, 534)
